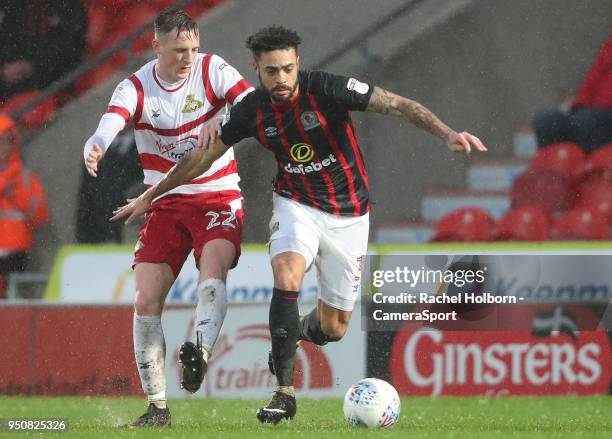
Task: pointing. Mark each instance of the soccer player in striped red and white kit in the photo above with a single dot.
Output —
(320, 192)
(169, 100)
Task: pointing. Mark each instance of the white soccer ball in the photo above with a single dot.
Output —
(372, 403)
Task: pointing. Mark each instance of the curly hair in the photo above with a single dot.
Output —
(272, 38)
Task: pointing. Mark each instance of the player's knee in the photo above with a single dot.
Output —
(215, 268)
(147, 304)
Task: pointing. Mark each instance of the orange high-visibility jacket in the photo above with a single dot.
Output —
(22, 199)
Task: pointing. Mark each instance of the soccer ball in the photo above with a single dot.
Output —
(371, 403)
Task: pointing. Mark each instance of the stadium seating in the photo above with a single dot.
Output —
(543, 188)
(523, 224)
(96, 76)
(580, 224)
(596, 193)
(133, 18)
(37, 116)
(566, 158)
(598, 162)
(464, 225)
(110, 21)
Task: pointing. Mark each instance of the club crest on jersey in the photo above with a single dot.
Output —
(192, 104)
(309, 120)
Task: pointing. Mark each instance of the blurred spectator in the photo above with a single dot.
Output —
(98, 197)
(589, 121)
(40, 41)
(22, 204)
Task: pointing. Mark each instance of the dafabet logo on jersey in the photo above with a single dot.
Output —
(301, 152)
(192, 104)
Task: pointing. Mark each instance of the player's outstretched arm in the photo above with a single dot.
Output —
(190, 166)
(384, 102)
(110, 125)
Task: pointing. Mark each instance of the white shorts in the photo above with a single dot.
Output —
(336, 244)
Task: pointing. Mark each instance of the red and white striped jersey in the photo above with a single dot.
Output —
(168, 119)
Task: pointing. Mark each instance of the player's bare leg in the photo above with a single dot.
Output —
(288, 269)
(217, 257)
(153, 281)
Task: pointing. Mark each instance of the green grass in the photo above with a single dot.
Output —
(560, 417)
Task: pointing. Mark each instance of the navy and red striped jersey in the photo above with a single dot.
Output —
(313, 139)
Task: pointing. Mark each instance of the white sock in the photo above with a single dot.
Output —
(150, 353)
(210, 312)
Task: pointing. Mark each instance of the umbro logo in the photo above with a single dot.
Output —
(270, 131)
(156, 113)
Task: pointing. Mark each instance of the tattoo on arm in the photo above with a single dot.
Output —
(385, 102)
(381, 102)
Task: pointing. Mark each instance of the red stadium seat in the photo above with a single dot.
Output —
(566, 158)
(111, 5)
(542, 188)
(596, 193)
(599, 161)
(581, 224)
(37, 116)
(143, 43)
(523, 224)
(132, 18)
(162, 4)
(98, 28)
(470, 224)
(96, 76)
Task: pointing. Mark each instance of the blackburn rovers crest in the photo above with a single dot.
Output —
(309, 120)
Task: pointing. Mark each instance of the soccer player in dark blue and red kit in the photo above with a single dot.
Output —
(321, 207)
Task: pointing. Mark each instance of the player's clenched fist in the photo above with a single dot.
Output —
(92, 157)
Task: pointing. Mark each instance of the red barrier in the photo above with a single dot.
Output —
(67, 351)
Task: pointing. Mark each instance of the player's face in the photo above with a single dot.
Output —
(176, 55)
(278, 73)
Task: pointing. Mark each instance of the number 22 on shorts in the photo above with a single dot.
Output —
(215, 217)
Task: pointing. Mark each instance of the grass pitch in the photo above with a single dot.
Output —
(549, 417)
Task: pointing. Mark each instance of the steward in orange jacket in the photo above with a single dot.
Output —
(22, 202)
